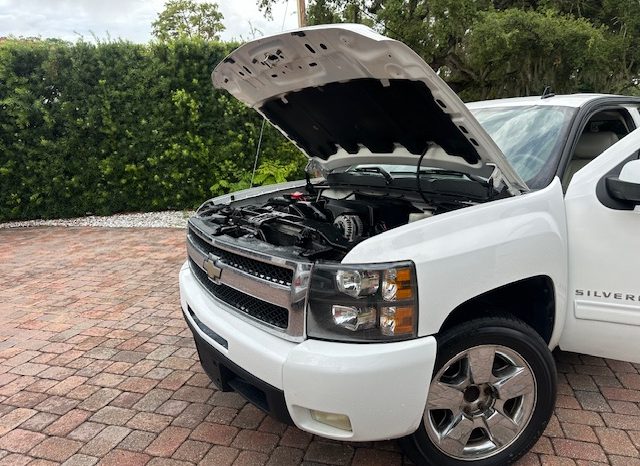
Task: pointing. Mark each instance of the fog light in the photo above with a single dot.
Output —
(354, 318)
(339, 421)
(397, 321)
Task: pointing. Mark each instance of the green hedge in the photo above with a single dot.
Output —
(118, 127)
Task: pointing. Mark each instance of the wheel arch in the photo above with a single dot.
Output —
(532, 300)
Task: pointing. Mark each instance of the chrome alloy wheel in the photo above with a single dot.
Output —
(480, 402)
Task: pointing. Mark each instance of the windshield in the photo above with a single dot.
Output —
(531, 138)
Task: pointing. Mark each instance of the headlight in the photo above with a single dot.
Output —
(364, 303)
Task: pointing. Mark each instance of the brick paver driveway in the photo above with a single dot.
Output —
(97, 365)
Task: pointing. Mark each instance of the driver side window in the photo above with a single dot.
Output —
(603, 130)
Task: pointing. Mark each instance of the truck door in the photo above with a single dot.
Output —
(603, 222)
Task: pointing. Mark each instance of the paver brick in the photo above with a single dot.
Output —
(113, 415)
(249, 417)
(295, 438)
(153, 399)
(579, 450)
(622, 421)
(105, 379)
(126, 400)
(579, 417)
(57, 373)
(105, 441)
(138, 384)
(41, 385)
(285, 456)
(14, 418)
(222, 415)
(81, 393)
(128, 356)
(167, 462)
(621, 394)
(16, 385)
(329, 452)
(580, 432)
(168, 441)
(616, 460)
(616, 442)
(251, 458)
(86, 431)
(174, 380)
(192, 415)
(370, 457)
(66, 385)
(192, 394)
(20, 440)
(172, 407)
(546, 460)
(220, 456)
(99, 399)
(26, 399)
(15, 459)
(269, 424)
(149, 421)
(68, 422)
(142, 368)
(192, 450)
(122, 457)
(214, 433)
(543, 445)
(39, 421)
(593, 401)
(80, 460)
(255, 440)
(57, 405)
(56, 449)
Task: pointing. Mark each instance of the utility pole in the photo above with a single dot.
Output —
(302, 14)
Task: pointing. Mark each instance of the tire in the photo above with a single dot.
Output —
(491, 396)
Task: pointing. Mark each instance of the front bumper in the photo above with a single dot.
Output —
(382, 388)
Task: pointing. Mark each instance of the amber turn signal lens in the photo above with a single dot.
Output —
(396, 284)
(396, 321)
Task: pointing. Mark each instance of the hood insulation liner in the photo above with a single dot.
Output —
(366, 112)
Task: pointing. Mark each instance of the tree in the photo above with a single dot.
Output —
(506, 48)
(186, 18)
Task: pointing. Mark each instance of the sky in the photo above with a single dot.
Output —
(128, 19)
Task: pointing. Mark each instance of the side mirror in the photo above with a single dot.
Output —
(626, 187)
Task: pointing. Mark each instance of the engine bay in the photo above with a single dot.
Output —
(324, 221)
(318, 227)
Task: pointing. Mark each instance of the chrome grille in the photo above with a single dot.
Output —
(259, 269)
(256, 308)
(255, 282)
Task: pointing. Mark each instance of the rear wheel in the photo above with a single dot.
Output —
(491, 397)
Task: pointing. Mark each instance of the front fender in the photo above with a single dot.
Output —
(462, 254)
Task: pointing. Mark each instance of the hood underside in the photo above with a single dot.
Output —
(347, 95)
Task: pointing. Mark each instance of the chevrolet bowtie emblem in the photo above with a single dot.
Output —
(213, 271)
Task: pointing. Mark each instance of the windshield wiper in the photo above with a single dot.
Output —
(472, 177)
(378, 170)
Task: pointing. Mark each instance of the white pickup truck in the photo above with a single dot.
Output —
(414, 286)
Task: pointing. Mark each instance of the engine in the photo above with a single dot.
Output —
(315, 227)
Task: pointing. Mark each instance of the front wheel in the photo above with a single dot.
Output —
(491, 397)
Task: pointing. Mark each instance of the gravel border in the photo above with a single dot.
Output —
(167, 219)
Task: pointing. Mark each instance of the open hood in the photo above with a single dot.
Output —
(347, 95)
